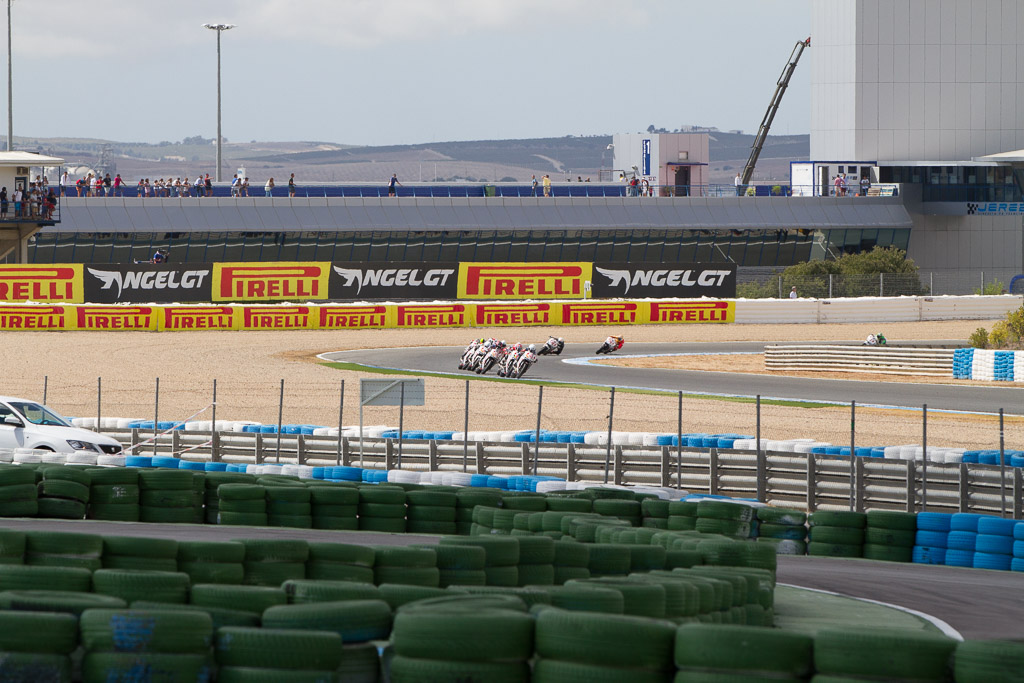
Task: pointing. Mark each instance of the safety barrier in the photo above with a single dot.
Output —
(889, 360)
(808, 480)
(988, 365)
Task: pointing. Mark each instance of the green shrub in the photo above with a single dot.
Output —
(979, 338)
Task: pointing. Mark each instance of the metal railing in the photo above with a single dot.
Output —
(762, 283)
(809, 481)
(888, 360)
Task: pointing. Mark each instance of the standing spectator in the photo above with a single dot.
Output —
(245, 187)
(738, 182)
(837, 185)
(45, 186)
(546, 181)
(3, 202)
(199, 185)
(865, 185)
(291, 185)
(209, 185)
(792, 293)
(533, 186)
(65, 178)
(269, 188)
(118, 186)
(80, 186)
(392, 189)
(17, 200)
(236, 185)
(50, 203)
(106, 185)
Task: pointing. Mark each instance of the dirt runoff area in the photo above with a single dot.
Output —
(248, 368)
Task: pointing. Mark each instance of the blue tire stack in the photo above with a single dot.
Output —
(1017, 563)
(994, 546)
(962, 539)
(932, 537)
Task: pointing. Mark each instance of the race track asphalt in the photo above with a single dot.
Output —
(570, 367)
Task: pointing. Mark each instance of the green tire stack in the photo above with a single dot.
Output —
(703, 651)
(536, 565)
(142, 584)
(36, 646)
(682, 515)
(58, 549)
(451, 643)
(783, 528)
(289, 506)
(356, 621)
(655, 513)
(267, 655)
(211, 486)
(127, 552)
(988, 661)
(483, 522)
(890, 535)
(335, 507)
(12, 547)
(230, 605)
(242, 505)
(212, 561)
(340, 562)
(431, 512)
(601, 648)
(63, 492)
(271, 562)
(572, 561)
(626, 510)
(501, 567)
(883, 655)
(608, 559)
(167, 496)
(114, 494)
(405, 566)
(382, 508)
(724, 518)
(459, 565)
(836, 534)
(18, 492)
(467, 499)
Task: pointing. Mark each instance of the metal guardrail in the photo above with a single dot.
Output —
(888, 360)
(808, 481)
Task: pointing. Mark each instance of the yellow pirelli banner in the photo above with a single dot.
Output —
(523, 280)
(58, 283)
(270, 281)
(194, 318)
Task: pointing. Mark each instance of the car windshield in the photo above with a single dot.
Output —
(40, 415)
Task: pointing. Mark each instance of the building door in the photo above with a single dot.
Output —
(682, 181)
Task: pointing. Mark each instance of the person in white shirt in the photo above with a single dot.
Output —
(792, 293)
(738, 182)
(65, 178)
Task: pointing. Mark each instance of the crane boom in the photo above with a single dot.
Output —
(773, 107)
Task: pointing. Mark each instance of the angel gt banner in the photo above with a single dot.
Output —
(664, 280)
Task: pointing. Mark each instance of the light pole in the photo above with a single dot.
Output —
(10, 89)
(218, 28)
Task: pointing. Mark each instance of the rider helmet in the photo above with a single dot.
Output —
(531, 347)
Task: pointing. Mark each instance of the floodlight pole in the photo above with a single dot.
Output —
(219, 28)
(10, 87)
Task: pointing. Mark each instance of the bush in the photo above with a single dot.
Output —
(991, 288)
(1005, 334)
(979, 338)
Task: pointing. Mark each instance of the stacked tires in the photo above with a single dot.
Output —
(289, 506)
(63, 492)
(167, 496)
(431, 512)
(502, 557)
(572, 560)
(272, 562)
(460, 565)
(406, 566)
(785, 529)
(655, 513)
(212, 562)
(212, 483)
(994, 546)
(467, 500)
(36, 646)
(382, 508)
(150, 554)
(1017, 563)
(709, 651)
(890, 536)
(724, 518)
(114, 494)
(836, 534)
(682, 515)
(54, 549)
(932, 537)
(242, 505)
(266, 655)
(340, 562)
(121, 644)
(626, 510)
(335, 507)
(882, 654)
(18, 492)
(962, 539)
(536, 561)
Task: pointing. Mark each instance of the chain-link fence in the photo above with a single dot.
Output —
(768, 283)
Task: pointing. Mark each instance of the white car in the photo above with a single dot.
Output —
(27, 424)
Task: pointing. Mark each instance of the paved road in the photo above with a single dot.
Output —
(912, 395)
(976, 602)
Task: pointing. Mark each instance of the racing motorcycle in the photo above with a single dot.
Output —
(495, 355)
(508, 362)
(553, 346)
(612, 343)
(477, 357)
(523, 363)
(469, 354)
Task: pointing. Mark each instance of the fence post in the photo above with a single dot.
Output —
(608, 448)
(300, 449)
(931, 283)
(1018, 493)
(346, 456)
(1002, 468)
(135, 439)
(536, 436)
(812, 475)
(280, 420)
(215, 447)
(911, 486)
(99, 401)
(713, 472)
(924, 458)
(761, 456)
(213, 418)
(341, 411)
(526, 458)
(465, 431)
(618, 466)
(481, 464)
(401, 421)
(881, 284)
(46, 383)
(156, 417)
(666, 465)
(679, 445)
(570, 462)
(853, 453)
(982, 282)
(257, 449)
(175, 442)
(859, 501)
(830, 285)
(389, 451)
(432, 456)
(964, 483)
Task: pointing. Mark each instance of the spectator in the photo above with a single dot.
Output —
(291, 185)
(738, 182)
(865, 185)
(199, 185)
(17, 200)
(65, 178)
(533, 186)
(118, 185)
(106, 185)
(269, 188)
(547, 185)
(208, 184)
(392, 189)
(3, 202)
(80, 186)
(236, 186)
(160, 256)
(245, 187)
(50, 204)
(792, 293)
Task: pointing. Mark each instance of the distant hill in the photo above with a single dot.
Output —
(480, 160)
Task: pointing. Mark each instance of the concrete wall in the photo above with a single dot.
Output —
(929, 80)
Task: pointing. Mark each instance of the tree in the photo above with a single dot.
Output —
(651, 128)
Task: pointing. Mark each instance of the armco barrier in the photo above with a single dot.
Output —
(888, 360)
(35, 317)
(988, 365)
(807, 480)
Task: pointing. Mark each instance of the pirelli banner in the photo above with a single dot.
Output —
(303, 282)
(192, 318)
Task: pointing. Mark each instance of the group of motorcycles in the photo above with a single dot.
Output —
(513, 360)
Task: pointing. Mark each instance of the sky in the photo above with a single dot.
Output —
(380, 72)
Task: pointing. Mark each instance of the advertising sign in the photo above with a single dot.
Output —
(145, 318)
(148, 283)
(270, 281)
(645, 157)
(191, 318)
(352, 317)
(522, 280)
(664, 280)
(432, 315)
(692, 312)
(393, 281)
(602, 313)
(35, 318)
(44, 284)
(277, 318)
(500, 315)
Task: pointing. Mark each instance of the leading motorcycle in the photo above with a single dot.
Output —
(612, 343)
(553, 346)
